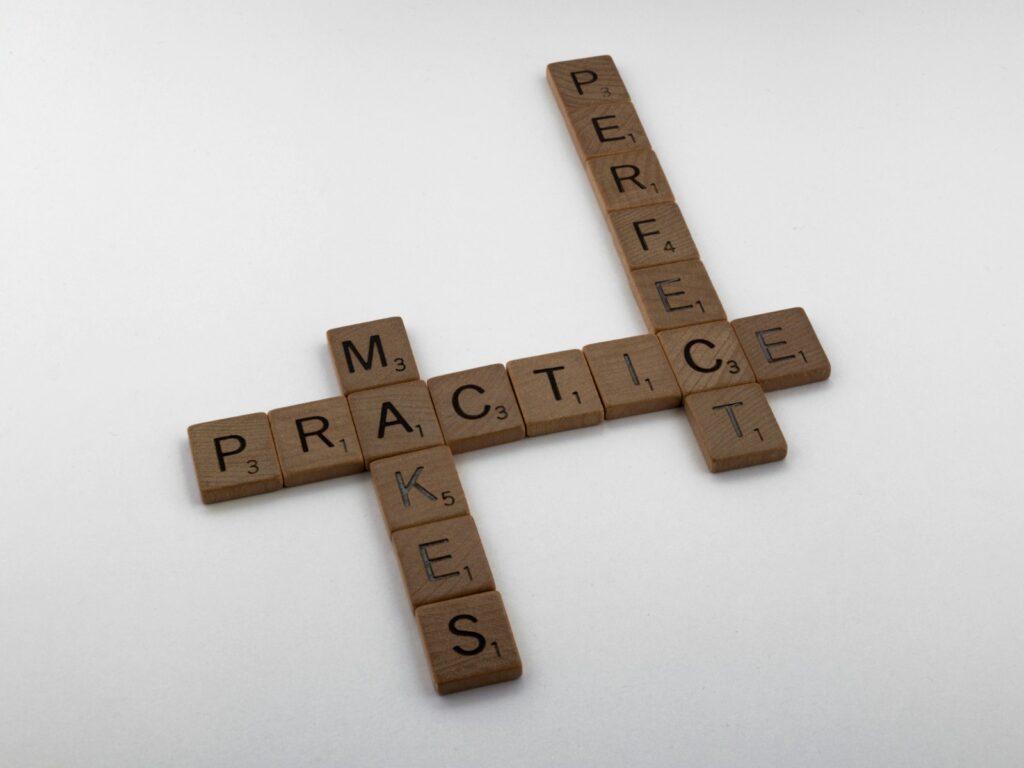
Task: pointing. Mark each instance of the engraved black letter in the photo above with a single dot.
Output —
(404, 487)
(632, 177)
(221, 455)
(665, 296)
(457, 405)
(551, 379)
(732, 417)
(428, 561)
(580, 83)
(641, 235)
(601, 130)
(688, 356)
(375, 347)
(765, 346)
(386, 406)
(303, 434)
(481, 641)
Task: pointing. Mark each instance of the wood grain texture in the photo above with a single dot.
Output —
(316, 441)
(628, 180)
(632, 376)
(606, 129)
(555, 392)
(372, 354)
(477, 408)
(735, 427)
(418, 487)
(469, 642)
(706, 356)
(783, 348)
(675, 295)
(583, 82)
(651, 235)
(395, 419)
(234, 457)
(442, 560)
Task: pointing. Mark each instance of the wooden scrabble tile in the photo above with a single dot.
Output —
(442, 560)
(706, 356)
(417, 488)
(395, 419)
(783, 348)
(735, 427)
(628, 180)
(476, 408)
(372, 354)
(606, 129)
(632, 376)
(587, 81)
(316, 441)
(234, 457)
(651, 235)
(555, 392)
(469, 642)
(674, 295)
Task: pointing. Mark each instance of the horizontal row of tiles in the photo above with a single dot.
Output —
(389, 411)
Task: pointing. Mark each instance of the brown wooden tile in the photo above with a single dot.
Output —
(706, 356)
(476, 408)
(651, 235)
(395, 419)
(316, 441)
(372, 354)
(783, 348)
(628, 180)
(674, 295)
(418, 487)
(555, 392)
(606, 129)
(234, 457)
(586, 81)
(735, 427)
(632, 376)
(469, 642)
(442, 560)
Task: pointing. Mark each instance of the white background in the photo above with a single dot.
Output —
(192, 193)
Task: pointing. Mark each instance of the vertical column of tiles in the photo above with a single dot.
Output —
(462, 620)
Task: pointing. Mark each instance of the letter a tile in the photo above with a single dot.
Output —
(469, 642)
(735, 427)
(372, 354)
(783, 349)
(395, 419)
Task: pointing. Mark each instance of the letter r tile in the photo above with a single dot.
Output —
(442, 560)
(628, 180)
(477, 408)
(372, 354)
(395, 419)
(316, 441)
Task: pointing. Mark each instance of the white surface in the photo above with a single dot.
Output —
(192, 193)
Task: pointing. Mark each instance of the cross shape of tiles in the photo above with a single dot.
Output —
(405, 431)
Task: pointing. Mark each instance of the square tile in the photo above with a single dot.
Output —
(418, 487)
(234, 457)
(606, 129)
(632, 376)
(442, 560)
(586, 81)
(476, 408)
(674, 295)
(628, 180)
(706, 356)
(735, 427)
(555, 392)
(372, 354)
(783, 348)
(469, 642)
(316, 441)
(395, 419)
(651, 235)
